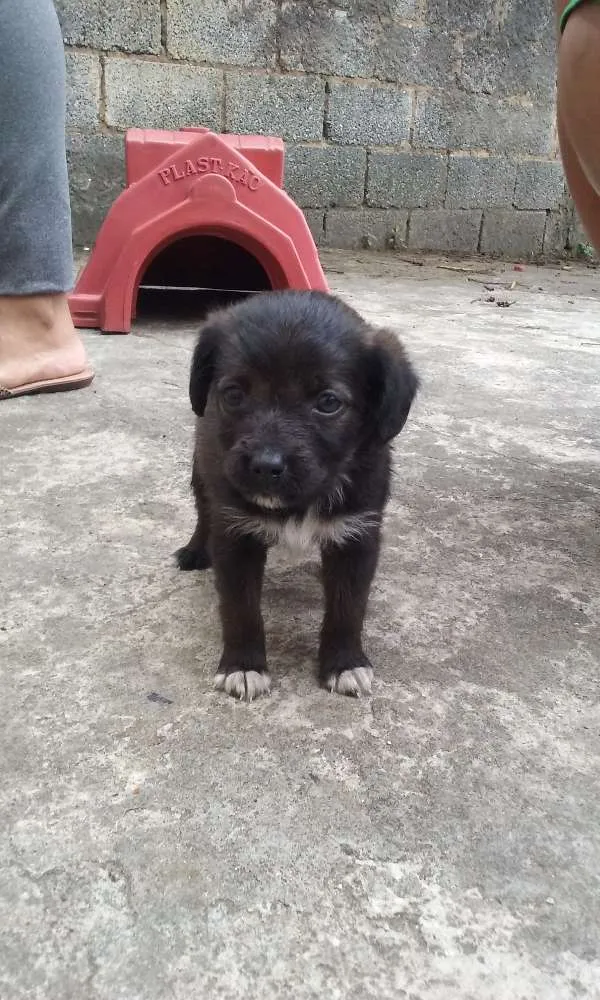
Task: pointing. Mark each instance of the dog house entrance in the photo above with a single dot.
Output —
(195, 274)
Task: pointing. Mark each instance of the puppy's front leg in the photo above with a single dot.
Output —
(239, 566)
(348, 571)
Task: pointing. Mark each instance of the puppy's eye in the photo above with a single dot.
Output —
(328, 403)
(232, 397)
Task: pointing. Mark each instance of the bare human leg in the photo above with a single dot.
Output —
(579, 111)
(39, 347)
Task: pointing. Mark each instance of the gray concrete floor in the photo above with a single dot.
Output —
(440, 840)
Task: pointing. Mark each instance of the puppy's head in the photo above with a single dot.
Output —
(292, 385)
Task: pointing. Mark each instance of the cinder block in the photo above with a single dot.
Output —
(540, 185)
(445, 230)
(83, 89)
(505, 65)
(508, 233)
(326, 38)
(556, 235)
(316, 223)
(111, 24)
(579, 240)
(401, 8)
(414, 55)
(288, 106)
(97, 177)
(360, 228)
(480, 182)
(381, 9)
(369, 115)
(237, 32)
(510, 50)
(459, 15)
(473, 121)
(162, 95)
(318, 176)
(406, 180)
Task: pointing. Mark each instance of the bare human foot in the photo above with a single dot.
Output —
(39, 344)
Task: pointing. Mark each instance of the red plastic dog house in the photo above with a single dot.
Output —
(198, 208)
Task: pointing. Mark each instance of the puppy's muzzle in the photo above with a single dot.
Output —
(273, 473)
(266, 468)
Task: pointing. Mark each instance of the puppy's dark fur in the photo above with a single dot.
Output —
(298, 400)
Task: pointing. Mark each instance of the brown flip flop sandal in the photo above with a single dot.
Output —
(78, 381)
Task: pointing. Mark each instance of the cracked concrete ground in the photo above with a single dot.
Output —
(438, 841)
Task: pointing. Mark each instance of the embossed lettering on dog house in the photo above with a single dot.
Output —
(195, 183)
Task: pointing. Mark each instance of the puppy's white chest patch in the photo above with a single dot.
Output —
(311, 530)
(303, 533)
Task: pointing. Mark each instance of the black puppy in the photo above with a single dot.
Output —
(299, 400)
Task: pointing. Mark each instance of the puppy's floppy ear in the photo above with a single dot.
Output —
(392, 385)
(204, 362)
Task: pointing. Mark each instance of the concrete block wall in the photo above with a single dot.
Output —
(410, 124)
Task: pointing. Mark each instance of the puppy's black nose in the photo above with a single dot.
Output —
(267, 466)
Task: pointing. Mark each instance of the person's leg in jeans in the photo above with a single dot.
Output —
(39, 346)
(579, 108)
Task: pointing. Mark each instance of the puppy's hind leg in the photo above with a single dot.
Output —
(195, 554)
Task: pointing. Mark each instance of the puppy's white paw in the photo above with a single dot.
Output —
(246, 685)
(354, 682)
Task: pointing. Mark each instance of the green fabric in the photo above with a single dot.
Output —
(571, 6)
